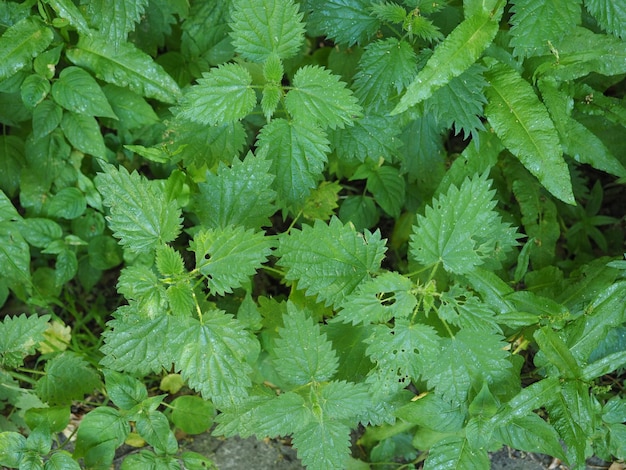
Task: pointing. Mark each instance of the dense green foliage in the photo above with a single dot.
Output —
(402, 218)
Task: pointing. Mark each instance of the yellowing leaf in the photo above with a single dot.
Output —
(56, 337)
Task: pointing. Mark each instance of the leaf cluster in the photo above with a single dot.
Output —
(318, 216)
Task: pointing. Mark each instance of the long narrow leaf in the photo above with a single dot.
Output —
(557, 353)
(462, 48)
(525, 128)
(126, 66)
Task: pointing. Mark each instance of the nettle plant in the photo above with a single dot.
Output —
(396, 221)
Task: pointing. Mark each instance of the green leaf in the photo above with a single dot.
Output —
(84, 133)
(617, 438)
(345, 21)
(460, 102)
(19, 336)
(46, 118)
(228, 256)
(125, 66)
(349, 344)
(66, 266)
(614, 410)
(180, 296)
(154, 427)
(61, 460)
(138, 283)
(539, 217)
(115, 18)
(536, 24)
(604, 366)
(606, 311)
(571, 412)
(33, 90)
(78, 92)
(8, 212)
(195, 461)
(455, 452)
(461, 308)
(20, 43)
(609, 14)
(542, 307)
(582, 52)
(212, 44)
(433, 412)
(68, 377)
(317, 94)
(360, 211)
(390, 12)
(141, 217)
(272, 94)
(239, 195)
(125, 391)
(388, 188)
(301, 353)
(323, 445)
(530, 433)
(298, 155)
(12, 448)
(330, 261)
(54, 419)
(557, 353)
(273, 70)
(192, 414)
(281, 416)
(155, 154)
(132, 110)
(266, 27)
(458, 52)
(212, 356)
(45, 63)
(385, 69)
(369, 138)
(104, 252)
(577, 141)
(401, 354)
(530, 398)
(461, 230)
(379, 300)
(525, 128)
(68, 203)
(200, 145)
(464, 363)
(479, 429)
(134, 343)
(222, 95)
(343, 400)
(11, 163)
(67, 10)
(40, 232)
(168, 261)
(101, 431)
(14, 255)
(240, 418)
